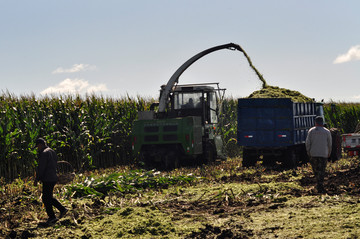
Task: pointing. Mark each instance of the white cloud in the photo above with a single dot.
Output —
(74, 86)
(352, 55)
(74, 68)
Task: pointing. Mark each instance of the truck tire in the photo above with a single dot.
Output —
(290, 159)
(303, 156)
(249, 158)
(269, 160)
(336, 145)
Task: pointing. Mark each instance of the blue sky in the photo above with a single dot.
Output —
(118, 48)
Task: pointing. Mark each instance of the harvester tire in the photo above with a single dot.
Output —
(171, 160)
(209, 153)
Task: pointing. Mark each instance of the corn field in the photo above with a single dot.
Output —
(88, 133)
(344, 116)
(93, 132)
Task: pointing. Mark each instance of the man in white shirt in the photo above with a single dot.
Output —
(318, 146)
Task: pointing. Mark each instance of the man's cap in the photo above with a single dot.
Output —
(40, 141)
(319, 120)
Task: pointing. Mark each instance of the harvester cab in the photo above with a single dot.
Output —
(201, 100)
(186, 133)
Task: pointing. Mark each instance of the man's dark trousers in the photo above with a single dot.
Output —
(49, 201)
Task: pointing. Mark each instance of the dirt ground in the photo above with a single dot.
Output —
(235, 204)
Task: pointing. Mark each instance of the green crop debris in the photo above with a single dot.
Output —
(260, 76)
(130, 182)
(214, 201)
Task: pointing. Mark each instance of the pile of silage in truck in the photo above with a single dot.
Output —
(268, 91)
(277, 92)
(341, 117)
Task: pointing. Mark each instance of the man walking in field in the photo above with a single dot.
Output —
(46, 173)
(318, 147)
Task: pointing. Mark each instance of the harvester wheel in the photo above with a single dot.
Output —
(143, 159)
(171, 160)
(209, 153)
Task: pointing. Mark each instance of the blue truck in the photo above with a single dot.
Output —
(274, 130)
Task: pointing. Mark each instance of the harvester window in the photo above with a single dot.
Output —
(189, 100)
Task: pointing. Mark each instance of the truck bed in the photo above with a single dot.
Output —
(273, 122)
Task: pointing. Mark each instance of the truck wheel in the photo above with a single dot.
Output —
(269, 160)
(249, 158)
(303, 156)
(290, 159)
(336, 145)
